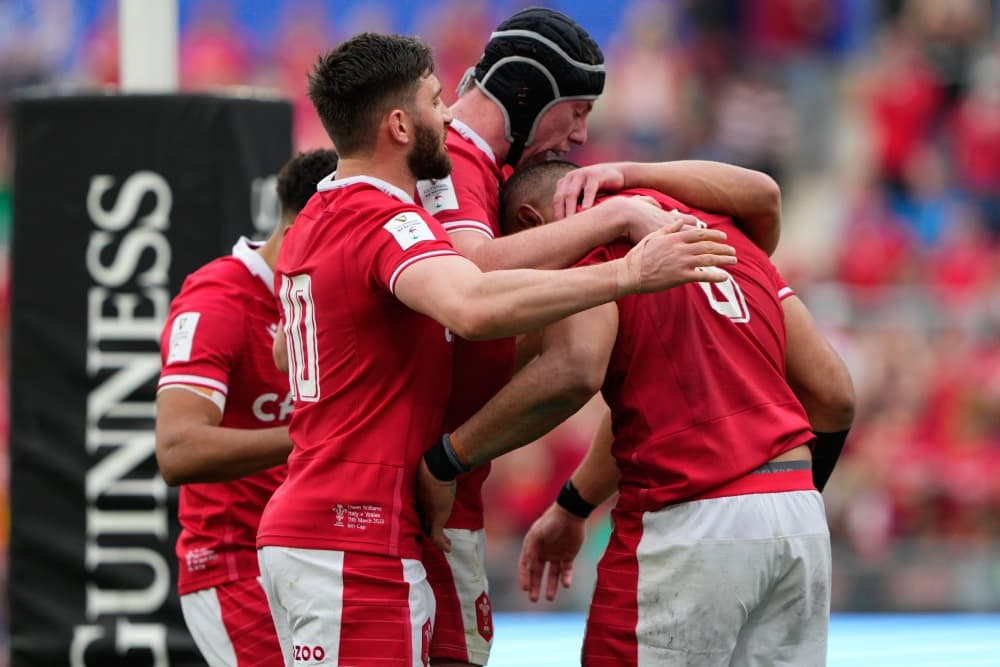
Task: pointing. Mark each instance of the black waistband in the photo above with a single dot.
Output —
(783, 466)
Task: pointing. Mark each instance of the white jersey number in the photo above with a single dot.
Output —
(300, 335)
(726, 298)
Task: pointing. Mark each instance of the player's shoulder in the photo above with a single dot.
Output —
(369, 198)
(470, 154)
(219, 280)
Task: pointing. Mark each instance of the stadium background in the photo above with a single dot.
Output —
(881, 122)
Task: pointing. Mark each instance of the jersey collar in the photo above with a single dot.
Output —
(331, 182)
(469, 134)
(245, 250)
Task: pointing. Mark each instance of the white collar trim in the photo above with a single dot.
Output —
(331, 182)
(470, 134)
(245, 250)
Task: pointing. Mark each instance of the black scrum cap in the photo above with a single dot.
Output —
(536, 59)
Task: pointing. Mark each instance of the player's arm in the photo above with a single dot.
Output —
(555, 538)
(477, 305)
(822, 383)
(751, 198)
(568, 371)
(596, 478)
(279, 348)
(562, 243)
(192, 447)
(527, 348)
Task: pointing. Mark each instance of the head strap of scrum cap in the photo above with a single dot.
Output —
(534, 61)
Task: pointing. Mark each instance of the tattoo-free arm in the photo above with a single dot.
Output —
(192, 447)
(751, 198)
(815, 371)
(822, 383)
(561, 243)
(568, 371)
(477, 305)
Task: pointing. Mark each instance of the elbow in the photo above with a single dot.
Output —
(833, 408)
(841, 411)
(770, 194)
(170, 476)
(580, 376)
(171, 469)
(477, 323)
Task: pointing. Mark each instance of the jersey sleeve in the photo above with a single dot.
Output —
(200, 343)
(784, 289)
(409, 236)
(461, 202)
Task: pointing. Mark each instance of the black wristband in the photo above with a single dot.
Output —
(443, 461)
(826, 451)
(570, 500)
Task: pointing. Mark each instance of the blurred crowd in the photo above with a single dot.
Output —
(881, 122)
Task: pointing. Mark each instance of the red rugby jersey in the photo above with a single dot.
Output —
(371, 377)
(696, 380)
(469, 200)
(218, 335)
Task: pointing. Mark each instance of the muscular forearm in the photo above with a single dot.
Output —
(539, 398)
(751, 198)
(596, 478)
(521, 300)
(568, 371)
(480, 306)
(204, 453)
(477, 305)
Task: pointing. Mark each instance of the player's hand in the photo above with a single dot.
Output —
(644, 215)
(580, 187)
(434, 501)
(553, 542)
(669, 258)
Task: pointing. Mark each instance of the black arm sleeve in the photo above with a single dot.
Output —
(826, 451)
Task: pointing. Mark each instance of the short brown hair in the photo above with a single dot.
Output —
(361, 79)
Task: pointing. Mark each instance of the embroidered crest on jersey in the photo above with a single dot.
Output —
(182, 337)
(409, 229)
(437, 195)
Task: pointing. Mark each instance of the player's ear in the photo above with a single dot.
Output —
(399, 126)
(528, 216)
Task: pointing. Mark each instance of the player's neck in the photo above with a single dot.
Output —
(392, 170)
(485, 118)
(269, 249)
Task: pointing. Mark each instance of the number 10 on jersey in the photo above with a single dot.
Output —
(300, 336)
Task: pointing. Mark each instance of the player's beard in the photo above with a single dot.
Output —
(428, 158)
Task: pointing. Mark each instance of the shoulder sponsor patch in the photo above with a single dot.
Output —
(408, 229)
(437, 195)
(182, 337)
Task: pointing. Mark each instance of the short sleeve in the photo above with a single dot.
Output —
(784, 289)
(200, 344)
(409, 236)
(463, 201)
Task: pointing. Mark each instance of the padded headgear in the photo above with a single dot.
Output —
(536, 59)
